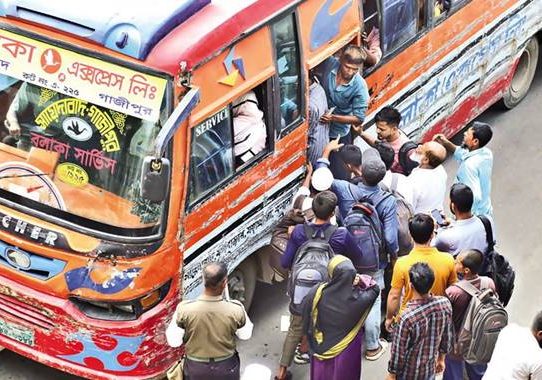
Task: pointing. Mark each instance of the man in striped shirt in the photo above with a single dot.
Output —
(424, 333)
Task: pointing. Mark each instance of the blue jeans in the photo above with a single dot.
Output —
(454, 369)
(372, 323)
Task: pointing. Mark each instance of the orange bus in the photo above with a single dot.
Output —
(118, 178)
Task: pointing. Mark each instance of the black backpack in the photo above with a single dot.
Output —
(404, 152)
(310, 265)
(497, 266)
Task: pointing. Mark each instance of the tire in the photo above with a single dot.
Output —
(242, 282)
(523, 75)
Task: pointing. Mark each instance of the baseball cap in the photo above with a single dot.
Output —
(321, 179)
(373, 168)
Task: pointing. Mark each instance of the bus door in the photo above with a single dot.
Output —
(251, 101)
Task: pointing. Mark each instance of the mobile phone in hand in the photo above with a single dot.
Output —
(438, 217)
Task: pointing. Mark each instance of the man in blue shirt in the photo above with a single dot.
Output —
(475, 164)
(372, 170)
(347, 97)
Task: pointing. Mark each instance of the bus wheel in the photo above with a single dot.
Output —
(523, 76)
(242, 282)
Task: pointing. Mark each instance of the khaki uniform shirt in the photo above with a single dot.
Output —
(210, 324)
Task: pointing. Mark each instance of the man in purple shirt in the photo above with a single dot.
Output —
(341, 241)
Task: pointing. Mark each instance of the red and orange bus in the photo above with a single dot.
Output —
(117, 172)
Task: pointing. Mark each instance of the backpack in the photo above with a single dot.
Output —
(279, 234)
(404, 213)
(404, 161)
(497, 266)
(310, 265)
(484, 319)
(364, 224)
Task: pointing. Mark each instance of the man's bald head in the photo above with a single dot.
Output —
(214, 274)
(434, 153)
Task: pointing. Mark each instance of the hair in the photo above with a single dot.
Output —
(421, 227)
(482, 132)
(351, 154)
(421, 277)
(537, 323)
(323, 204)
(353, 55)
(389, 115)
(387, 154)
(433, 159)
(214, 273)
(472, 259)
(462, 197)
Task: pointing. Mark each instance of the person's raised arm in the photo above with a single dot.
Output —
(442, 140)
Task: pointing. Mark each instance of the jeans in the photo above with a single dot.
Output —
(454, 369)
(372, 323)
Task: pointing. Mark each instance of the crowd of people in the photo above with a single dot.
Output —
(368, 226)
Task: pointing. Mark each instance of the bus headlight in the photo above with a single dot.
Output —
(121, 311)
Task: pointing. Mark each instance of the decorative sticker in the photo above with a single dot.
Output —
(235, 67)
(77, 129)
(72, 174)
(73, 74)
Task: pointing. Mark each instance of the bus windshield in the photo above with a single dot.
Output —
(74, 159)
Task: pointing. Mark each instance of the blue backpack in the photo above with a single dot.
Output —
(364, 224)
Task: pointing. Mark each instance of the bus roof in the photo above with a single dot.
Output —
(212, 28)
(162, 33)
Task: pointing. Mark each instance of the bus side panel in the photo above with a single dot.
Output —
(455, 71)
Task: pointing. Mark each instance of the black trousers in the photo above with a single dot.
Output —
(228, 369)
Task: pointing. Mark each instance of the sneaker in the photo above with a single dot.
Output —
(302, 358)
(378, 354)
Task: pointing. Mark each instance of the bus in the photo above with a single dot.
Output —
(118, 176)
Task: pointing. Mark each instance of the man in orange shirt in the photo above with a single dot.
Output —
(421, 227)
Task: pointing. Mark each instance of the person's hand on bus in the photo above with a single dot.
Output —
(440, 138)
(333, 145)
(308, 175)
(13, 127)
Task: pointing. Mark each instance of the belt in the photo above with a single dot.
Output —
(209, 360)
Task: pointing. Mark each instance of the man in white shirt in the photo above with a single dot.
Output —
(428, 181)
(467, 231)
(518, 353)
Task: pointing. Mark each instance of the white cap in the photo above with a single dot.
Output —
(322, 178)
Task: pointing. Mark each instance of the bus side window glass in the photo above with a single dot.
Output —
(288, 68)
(400, 23)
(372, 33)
(443, 8)
(211, 160)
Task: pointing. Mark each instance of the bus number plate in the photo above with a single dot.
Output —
(17, 333)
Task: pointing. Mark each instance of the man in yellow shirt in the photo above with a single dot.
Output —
(421, 227)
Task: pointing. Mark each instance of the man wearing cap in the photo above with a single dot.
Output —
(475, 164)
(341, 241)
(372, 170)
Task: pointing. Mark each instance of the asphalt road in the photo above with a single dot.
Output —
(517, 203)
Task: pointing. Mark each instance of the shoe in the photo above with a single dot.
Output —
(302, 358)
(380, 352)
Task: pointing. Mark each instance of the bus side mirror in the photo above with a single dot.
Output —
(155, 178)
(156, 170)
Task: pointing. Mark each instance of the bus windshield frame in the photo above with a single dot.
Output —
(150, 228)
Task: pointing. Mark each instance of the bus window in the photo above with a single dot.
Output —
(212, 153)
(288, 68)
(371, 38)
(399, 23)
(443, 8)
(229, 141)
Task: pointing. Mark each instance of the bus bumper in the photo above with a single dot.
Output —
(54, 332)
